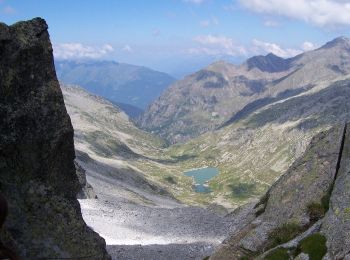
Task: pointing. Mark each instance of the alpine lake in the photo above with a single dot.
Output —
(201, 178)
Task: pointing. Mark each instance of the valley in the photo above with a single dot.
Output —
(140, 210)
(132, 87)
(245, 158)
(250, 150)
(141, 183)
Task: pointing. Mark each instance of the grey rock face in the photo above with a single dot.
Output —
(37, 152)
(87, 191)
(308, 182)
(336, 224)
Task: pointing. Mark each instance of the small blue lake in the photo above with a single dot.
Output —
(201, 178)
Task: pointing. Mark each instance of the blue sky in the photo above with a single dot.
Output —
(180, 36)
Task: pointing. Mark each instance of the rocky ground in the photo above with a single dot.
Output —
(156, 227)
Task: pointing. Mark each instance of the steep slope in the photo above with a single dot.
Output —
(136, 211)
(114, 151)
(118, 82)
(220, 93)
(252, 152)
(37, 152)
(132, 111)
(304, 214)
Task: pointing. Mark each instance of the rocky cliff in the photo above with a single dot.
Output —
(37, 169)
(305, 214)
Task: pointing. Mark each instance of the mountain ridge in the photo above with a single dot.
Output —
(208, 98)
(119, 82)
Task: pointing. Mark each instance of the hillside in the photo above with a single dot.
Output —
(252, 152)
(223, 93)
(109, 145)
(139, 209)
(304, 215)
(118, 82)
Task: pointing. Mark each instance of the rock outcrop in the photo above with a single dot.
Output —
(37, 169)
(306, 212)
(87, 191)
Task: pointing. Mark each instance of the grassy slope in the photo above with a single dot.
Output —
(253, 152)
(250, 153)
(108, 136)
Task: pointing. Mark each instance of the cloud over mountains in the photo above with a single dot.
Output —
(323, 13)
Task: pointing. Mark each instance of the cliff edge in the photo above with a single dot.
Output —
(37, 169)
(306, 213)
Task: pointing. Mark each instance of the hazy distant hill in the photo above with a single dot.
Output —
(118, 82)
(251, 150)
(223, 93)
(132, 111)
(114, 151)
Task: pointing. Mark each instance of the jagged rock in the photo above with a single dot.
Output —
(302, 256)
(218, 209)
(307, 183)
(37, 152)
(86, 191)
(336, 224)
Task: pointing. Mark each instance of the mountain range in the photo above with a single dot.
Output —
(251, 148)
(119, 82)
(274, 128)
(223, 93)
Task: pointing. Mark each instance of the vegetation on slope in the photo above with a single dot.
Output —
(250, 153)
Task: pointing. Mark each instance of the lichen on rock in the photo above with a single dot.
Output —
(37, 169)
(285, 216)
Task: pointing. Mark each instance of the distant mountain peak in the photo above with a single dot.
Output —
(268, 63)
(87, 62)
(341, 41)
(220, 66)
(119, 82)
(221, 62)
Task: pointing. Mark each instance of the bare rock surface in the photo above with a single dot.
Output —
(336, 224)
(195, 251)
(87, 191)
(139, 223)
(37, 170)
(288, 208)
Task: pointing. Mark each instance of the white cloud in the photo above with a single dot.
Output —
(127, 48)
(222, 45)
(267, 47)
(78, 50)
(217, 45)
(261, 47)
(308, 46)
(319, 12)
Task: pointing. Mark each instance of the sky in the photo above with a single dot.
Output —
(182, 36)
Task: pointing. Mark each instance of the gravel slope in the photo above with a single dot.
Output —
(141, 225)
